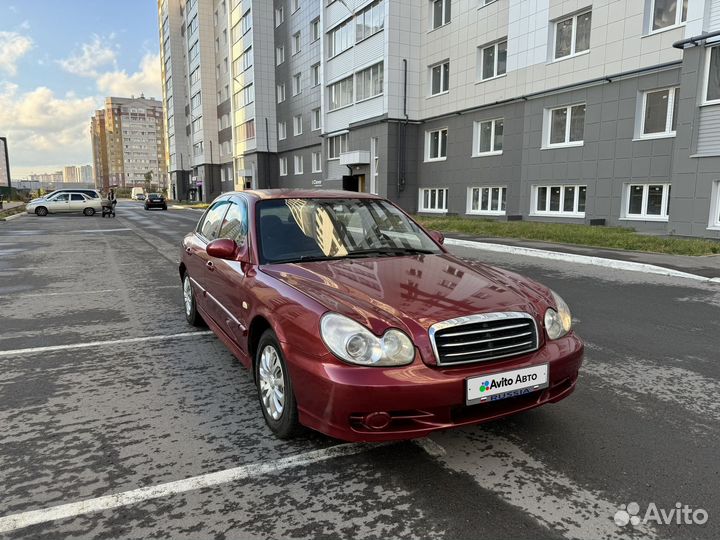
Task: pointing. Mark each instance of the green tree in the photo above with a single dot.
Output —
(148, 181)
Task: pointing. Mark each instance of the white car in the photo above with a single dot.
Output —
(65, 202)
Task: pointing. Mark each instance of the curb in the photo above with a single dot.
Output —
(579, 259)
(14, 216)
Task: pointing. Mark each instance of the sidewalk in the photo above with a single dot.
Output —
(7, 205)
(707, 266)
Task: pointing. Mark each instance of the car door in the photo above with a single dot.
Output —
(227, 282)
(197, 258)
(77, 202)
(59, 203)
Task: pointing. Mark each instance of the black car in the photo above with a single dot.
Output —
(155, 200)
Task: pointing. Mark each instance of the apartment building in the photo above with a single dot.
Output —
(128, 141)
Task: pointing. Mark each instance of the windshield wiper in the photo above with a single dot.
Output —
(399, 250)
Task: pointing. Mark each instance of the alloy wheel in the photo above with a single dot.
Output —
(272, 382)
(187, 295)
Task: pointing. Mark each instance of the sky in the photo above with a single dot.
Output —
(59, 59)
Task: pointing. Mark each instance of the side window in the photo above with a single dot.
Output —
(77, 197)
(235, 225)
(61, 197)
(209, 226)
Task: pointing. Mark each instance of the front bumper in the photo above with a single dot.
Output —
(337, 399)
(149, 204)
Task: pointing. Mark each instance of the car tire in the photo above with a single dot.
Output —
(164, 207)
(89, 211)
(41, 211)
(275, 390)
(191, 314)
(146, 208)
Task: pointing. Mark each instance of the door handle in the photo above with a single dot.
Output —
(210, 265)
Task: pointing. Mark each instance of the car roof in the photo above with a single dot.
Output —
(293, 193)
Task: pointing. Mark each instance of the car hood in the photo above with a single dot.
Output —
(411, 292)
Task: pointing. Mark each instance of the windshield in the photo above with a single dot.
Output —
(300, 230)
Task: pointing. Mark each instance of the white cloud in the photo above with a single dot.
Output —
(13, 46)
(86, 62)
(145, 81)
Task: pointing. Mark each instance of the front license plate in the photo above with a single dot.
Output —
(517, 382)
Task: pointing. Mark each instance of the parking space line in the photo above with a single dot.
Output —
(100, 291)
(52, 348)
(126, 498)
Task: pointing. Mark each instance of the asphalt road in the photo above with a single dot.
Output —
(103, 393)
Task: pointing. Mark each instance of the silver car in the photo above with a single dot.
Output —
(62, 202)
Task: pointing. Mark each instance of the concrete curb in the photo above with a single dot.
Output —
(579, 259)
(14, 216)
(178, 207)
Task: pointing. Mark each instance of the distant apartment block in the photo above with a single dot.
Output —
(604, 112)
(47, 178)
(128, 141)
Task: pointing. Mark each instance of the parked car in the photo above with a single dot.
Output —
(358, 323)
(136, 192)
(155, 200)
(140, 197)
(92, 193)
(62, 201)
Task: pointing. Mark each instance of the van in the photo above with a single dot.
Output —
(137, 194)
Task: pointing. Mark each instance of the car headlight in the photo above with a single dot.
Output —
(558, 323)
(352, 342)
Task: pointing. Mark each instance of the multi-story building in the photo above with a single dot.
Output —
(128, 142)
(47, 178)
(70, 174)
(604, 112)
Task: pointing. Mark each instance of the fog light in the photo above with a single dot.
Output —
(377, 420)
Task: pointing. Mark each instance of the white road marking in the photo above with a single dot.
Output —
(578, 259)
(47, 267)
(117, 500)
(77, 293)
(51, 348)
(549, 496)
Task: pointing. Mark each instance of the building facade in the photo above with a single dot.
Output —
(604, 112)
(128, 142)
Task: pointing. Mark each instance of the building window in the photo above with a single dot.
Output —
(315, 74)
(245, 96)
(197, 125)
(489, 137)
(192, 26)
(194, 51)
(440, 12)
(299, 164)
(195, 76)
(487, 200)
(337, 145)
(246, 131)
(369, 82)
(647, 201)
(282, 131)
(714, 222)
(279, 54)
(433, 200)
(244, 61)
(659, 113)
(283, 166)
(493, 60)
(559, 200)
(196, 101)
(279, 16)
(341, 93)
(317, 162)
(295, 5)
(436, 145)
(281, 92)
(439, 78)
(297, 84)
(297, 124)
(667, 13)
(572, 35)
(340, 38)
(711, 92)
(315, 29)
(316, 122)
(296, 43)
(566, 126)
(370, 20)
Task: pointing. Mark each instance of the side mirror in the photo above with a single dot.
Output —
(437, 236)
(222, 248)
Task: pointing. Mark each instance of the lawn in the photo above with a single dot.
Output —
(11, 212)
(582, 235)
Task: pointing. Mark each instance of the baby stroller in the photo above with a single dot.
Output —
(108, 208)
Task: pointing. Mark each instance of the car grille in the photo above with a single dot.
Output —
(483, 337)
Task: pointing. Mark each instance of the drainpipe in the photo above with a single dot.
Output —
(401, 137)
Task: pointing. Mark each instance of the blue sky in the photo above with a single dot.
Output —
(59, 59)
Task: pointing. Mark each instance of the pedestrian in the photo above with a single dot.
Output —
(109, 210)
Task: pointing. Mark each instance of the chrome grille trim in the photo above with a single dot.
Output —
(525, 347)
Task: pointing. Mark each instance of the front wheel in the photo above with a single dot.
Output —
(191, 314)
(275, 390)
(41, 211)
(89, 211)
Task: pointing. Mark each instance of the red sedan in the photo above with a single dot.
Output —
(358, 323)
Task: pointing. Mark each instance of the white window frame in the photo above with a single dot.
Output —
(548, 128)
(446, 7)
(428, 136)
(315, 74)
(561, 212)
(315, 29)
(297, 84)
(347, 37)
(427, 209)
(295, 4)
(669, 131)
(489, 211)
(714, 221)
(443, 81)
(706, 76)
(338, 143)
(678, 17)
(296, 43)
(573, 39)
(644, 216)
(476, 138)
(495, 74)
(280, 91)
(297, 125)
(298, 164)
(282, 163)
(279, 54)
(377, 73)
(316, 162)
(316, 119)
(282, 131)
(279, 16)
(333, 88)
